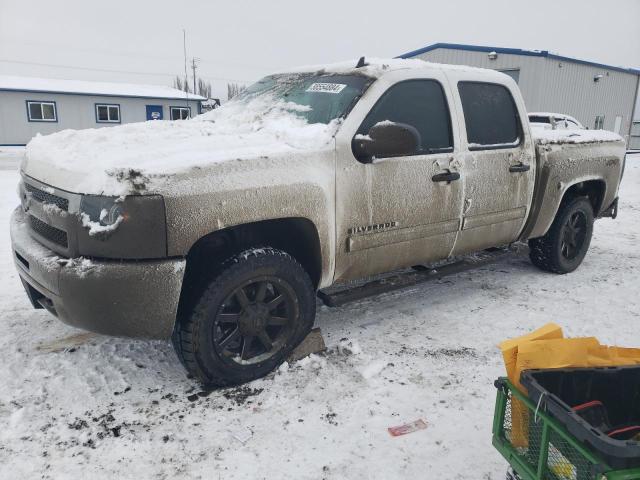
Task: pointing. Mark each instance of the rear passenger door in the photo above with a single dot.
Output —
(497, 164)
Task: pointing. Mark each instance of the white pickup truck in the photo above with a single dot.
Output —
(218, 231)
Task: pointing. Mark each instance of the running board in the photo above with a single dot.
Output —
(419, 274)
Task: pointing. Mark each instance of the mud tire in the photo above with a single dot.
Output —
(194, 336)
(549, 253)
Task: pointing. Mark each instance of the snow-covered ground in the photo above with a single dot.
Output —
(10, 157)
(78, 405)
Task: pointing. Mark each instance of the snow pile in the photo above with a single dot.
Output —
(103, 160)
(544, 136)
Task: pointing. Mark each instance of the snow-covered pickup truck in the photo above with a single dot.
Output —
(218, 231)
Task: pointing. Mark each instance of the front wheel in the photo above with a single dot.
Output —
(249, 318)
(566, 243)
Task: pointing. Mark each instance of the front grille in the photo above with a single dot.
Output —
(52, 234)
(45, 197)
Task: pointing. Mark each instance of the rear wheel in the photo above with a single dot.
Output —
(249, 318)
(566, 243)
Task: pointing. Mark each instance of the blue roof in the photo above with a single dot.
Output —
(515, 51)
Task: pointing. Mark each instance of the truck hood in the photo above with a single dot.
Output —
(142, 158)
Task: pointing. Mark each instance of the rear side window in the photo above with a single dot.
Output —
(421, 104)
(490, 115)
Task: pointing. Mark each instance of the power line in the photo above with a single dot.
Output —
(147, 56)
(105, 70)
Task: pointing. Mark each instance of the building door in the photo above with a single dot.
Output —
(397, 211)
(498, 168)
(154, 112)
(618, 124)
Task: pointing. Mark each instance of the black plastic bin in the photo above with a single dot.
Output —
(615, 390)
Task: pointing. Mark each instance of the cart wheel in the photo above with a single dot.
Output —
(512, 475)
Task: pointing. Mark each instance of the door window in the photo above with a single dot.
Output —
(490, 115)
(420, 104)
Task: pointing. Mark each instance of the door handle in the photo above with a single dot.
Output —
(519, 167)
(448, 177)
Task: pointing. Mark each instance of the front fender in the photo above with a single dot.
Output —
(266, 190)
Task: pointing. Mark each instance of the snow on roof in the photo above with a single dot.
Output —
(54, 85)
(516, 51)
(376, 67)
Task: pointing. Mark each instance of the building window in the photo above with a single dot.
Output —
(180, 113)
(599, 123)
(107, 113)
(490, 115)
(38, 111)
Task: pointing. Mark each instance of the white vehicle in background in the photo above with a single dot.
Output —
(554, 121)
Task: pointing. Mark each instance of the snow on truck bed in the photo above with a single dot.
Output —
(545, 137)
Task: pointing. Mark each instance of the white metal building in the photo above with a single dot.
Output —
(599, 96)
(634, 141)
(36, 105)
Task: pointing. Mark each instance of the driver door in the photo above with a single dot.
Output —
(392, 212)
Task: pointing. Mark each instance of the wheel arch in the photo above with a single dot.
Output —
(298, 236)
(594, 188)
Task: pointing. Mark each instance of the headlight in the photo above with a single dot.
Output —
(103, 210)
(117, 227)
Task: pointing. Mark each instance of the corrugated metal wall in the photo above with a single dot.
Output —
(634, 142)
(530, 67)
(559, 86)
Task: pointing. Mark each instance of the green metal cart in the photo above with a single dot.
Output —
(538, 447)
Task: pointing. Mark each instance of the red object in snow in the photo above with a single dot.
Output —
(407, 428)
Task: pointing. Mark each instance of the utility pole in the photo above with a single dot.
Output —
(194, 66)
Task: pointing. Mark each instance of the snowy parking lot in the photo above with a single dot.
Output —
(79, 405)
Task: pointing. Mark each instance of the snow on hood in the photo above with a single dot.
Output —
(103, 160)
(544, 136)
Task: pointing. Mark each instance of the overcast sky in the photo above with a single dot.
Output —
(140, 41)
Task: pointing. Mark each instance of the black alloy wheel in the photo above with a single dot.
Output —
(256, 320)
(564, 246)
(251, 313)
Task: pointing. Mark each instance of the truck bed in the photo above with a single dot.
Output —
(566, 159)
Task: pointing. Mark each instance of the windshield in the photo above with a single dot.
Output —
(316, 98)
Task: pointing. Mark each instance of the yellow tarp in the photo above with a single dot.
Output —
(547, 348)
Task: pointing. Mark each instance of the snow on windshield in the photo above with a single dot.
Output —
(316, 98)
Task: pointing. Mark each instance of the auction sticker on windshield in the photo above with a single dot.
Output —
(326, 87)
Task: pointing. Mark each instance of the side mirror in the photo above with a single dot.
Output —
(386, 139)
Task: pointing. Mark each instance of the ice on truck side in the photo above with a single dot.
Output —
(217, 232)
